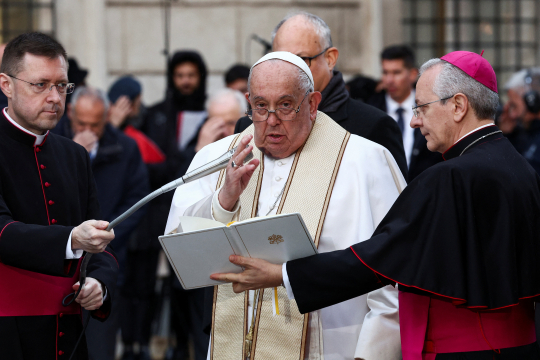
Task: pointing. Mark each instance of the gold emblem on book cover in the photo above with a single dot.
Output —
(275, 239)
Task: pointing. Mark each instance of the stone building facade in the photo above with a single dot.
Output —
(115, 37)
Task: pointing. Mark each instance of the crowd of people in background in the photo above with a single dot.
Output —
(135, 149)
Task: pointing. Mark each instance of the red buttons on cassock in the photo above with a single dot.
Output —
(53, 221)
(60, 315)
(60, 352)
(47, 184)
(51, 202)
(61, 334)
(42, 167)
(38, 149)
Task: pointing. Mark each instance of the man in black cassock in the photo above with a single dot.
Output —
(461, 241)
(46, 193)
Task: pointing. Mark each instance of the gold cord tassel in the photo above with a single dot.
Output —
(249, 342)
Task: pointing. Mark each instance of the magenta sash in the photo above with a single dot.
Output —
(430, 326)
(27, 293)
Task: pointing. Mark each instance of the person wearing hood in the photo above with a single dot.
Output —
(308, 36)
(174, 125)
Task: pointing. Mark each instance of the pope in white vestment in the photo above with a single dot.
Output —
(367, 183)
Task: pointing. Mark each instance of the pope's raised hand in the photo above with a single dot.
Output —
(237, 177)
(257, 274)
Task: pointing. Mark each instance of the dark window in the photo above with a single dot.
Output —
(20, 16)
(505, 29)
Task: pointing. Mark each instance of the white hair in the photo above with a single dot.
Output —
(321, 28)
(225, 94)
(518, 83)
(303, 80)
(452, 80)
(96, 94)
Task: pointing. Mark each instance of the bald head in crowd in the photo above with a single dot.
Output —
(87, 113)
(308, 36)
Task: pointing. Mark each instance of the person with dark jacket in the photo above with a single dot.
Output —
(173, 125)
(47, 202)
(299, 34)
(122, 180)
(520, 118)
(398, 79)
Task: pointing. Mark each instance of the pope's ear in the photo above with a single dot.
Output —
(314, 101)
(461, 106)
(5, 85)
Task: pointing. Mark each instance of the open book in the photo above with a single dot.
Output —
(202, 247)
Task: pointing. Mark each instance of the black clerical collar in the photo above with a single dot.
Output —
(8, 128)
(472, 140)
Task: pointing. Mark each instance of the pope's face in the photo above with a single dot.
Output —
(435, 120)
(37, 112)
(274, 85)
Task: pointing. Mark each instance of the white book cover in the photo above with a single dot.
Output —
(202, 247)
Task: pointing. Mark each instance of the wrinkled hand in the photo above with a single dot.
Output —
(87, 139)
(91, 295)
(120, 111)
(258, 274)
(237, 178)
(91, 236)
(214, 129)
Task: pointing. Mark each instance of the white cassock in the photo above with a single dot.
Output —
(367, 184)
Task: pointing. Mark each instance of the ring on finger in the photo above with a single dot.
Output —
(235, 165)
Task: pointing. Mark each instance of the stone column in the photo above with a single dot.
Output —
(372, 36)
(82, 31)
(381, 27)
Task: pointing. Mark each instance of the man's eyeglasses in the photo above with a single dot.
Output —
(308, 59)
(415, 110)
(62, 88)
(282, 113)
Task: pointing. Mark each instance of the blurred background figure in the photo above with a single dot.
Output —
(76, 75)
(224, 109)
(520, 118)
(399, 75)
(361, 87)
(127, 113)
(121, 179)
(236, 78)
(126, 107)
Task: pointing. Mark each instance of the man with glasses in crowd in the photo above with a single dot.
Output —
(47, 200)
(341, 184)
(308, 36)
